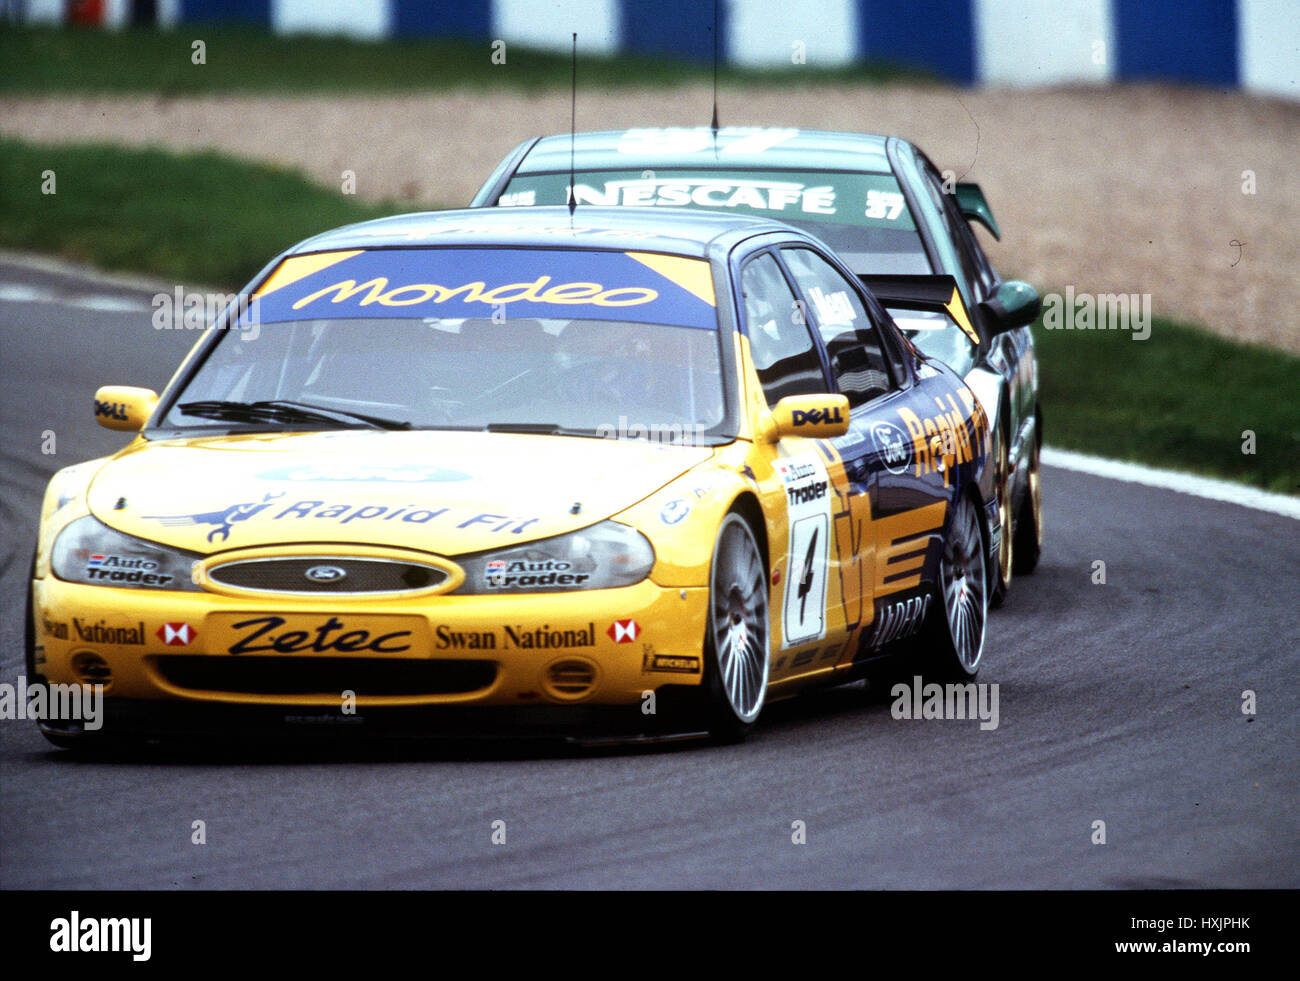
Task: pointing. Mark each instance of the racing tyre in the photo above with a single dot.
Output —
(29, 626)
(1006, 562)
(81, 741)
(736, 641)
(953, 639)
(1029, 522)
(77, 742)
(94, 744)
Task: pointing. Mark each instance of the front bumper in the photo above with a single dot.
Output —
(180, 656)
(247, 725)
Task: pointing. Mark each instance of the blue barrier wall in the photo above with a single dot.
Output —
(1178, 40)
(1253, 44)
(938, 35)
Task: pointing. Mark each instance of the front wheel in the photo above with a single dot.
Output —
(737, 636)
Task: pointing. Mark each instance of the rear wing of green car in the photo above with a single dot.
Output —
(975, 207)
(937, 294)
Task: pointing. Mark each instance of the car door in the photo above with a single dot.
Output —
(809, 629)
(907, 437)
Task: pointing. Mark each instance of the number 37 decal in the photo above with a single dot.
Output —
(884, 204)
(808, 499)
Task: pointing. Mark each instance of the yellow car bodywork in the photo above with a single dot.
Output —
(341, 494)
(669, 608)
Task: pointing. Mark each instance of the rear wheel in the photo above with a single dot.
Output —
(954, 638)
(737, 639)
(1006, 544)
(1029, 522)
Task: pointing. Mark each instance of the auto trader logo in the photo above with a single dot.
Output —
(624, 631)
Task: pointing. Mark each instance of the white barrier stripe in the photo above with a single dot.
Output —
(1268, 47)
(774, 33)
(1027, 42)
(117, 13)
(1183, 483)
(550, 25)
(44, 11)
(363, 19)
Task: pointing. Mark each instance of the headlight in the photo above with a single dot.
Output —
(604, 555)
(90, 552)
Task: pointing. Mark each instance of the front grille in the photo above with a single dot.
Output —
(327, 676)
(327, 574)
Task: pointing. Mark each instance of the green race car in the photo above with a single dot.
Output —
(893, 218)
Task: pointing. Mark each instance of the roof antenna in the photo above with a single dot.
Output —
(573, 126)
(715, 74)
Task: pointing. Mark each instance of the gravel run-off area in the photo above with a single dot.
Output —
(1133, 189)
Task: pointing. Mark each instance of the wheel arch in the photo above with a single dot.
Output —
(747, 506)
(971, 490)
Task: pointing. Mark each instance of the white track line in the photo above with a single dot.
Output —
(62, 267)
(1183, 483)
(17, 293)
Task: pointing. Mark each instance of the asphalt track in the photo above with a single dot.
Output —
(1118, 703)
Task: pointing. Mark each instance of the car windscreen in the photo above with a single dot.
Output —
(862, 216)
(572, 341)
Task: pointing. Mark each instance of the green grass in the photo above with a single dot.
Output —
(1179, 399)
(244, 59)
(195, 217)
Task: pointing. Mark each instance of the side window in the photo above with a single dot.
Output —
(779, 343)
(895, 346)
(858, 359)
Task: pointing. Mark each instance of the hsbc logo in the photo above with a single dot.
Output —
(624, 631)
(177, 634)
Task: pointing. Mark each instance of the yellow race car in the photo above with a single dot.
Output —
(618, 471)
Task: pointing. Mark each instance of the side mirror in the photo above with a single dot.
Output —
(1015, 304)
(124, 408)
(814, 416)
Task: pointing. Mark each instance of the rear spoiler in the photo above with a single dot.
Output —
(975, 207)
(934, 293)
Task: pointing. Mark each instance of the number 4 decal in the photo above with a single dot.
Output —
(808, 498)
(805, 599)
(809, 570)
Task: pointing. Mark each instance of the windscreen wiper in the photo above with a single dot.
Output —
(282, 410)
(547, 428)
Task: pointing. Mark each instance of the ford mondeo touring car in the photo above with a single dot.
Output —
(525, 469)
